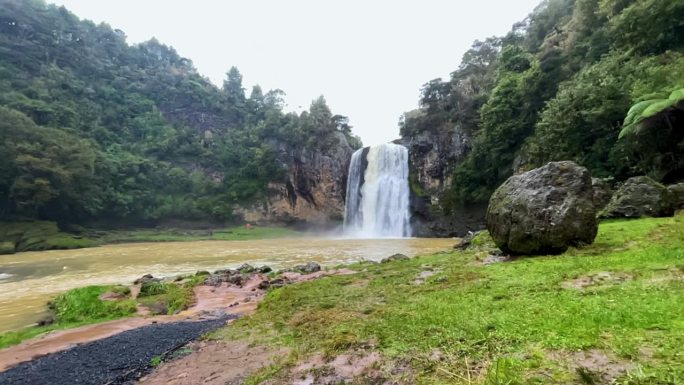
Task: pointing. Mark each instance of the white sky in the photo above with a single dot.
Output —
(368, 58)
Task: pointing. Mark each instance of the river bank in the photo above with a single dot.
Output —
(120, 351)
(34, 278)
(608, 313)
(46, 235)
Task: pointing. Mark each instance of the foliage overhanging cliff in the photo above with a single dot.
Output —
(557, 87)
(92, 127)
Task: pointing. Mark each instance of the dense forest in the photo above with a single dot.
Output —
(92, 127)
(600, 82)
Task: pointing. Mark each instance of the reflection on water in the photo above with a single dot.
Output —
(29, 280)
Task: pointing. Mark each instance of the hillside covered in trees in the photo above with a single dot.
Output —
(91, 127)
(559, 86)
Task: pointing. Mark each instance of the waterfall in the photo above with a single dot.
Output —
(378, 197)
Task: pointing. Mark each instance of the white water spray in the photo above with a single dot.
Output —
(378, 197)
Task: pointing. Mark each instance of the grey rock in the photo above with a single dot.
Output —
(147, 278)
(677, 191)
(640, 196)
(309, 268)
(246, 268)
(394, 257)
(603, 191)
(433, 157)
(543, 211)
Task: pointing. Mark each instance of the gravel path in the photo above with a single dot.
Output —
(120, 359)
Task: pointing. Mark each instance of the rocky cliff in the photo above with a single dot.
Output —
(433, 157)
(312, 192)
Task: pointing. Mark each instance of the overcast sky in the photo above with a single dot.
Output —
(368, 58)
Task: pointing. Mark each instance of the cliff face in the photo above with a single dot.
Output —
(432, 160)
(313, 191)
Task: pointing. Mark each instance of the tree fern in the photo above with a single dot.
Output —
(652, 108)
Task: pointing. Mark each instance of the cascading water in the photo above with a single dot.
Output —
(378, 197)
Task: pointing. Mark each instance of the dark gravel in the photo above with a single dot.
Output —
(120, 359)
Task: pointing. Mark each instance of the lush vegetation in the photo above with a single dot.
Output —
(558, 87)
(519, 322)
(46, 235)
(236, 233)
(84, 305)
(38, 235)
(91, 127)
(77, 307)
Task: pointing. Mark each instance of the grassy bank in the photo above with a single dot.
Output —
(37, 236)
(84, 306)
(449, 318)
(77, 307)
(235, 233)
(44, 235)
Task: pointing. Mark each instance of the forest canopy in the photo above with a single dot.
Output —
(559, 86)
(92, 127)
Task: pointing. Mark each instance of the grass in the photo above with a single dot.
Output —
(37, 236)
(167, 235)
(77, 307)
(168, 298)
(83, 306)
(505, 323)
(45, 235)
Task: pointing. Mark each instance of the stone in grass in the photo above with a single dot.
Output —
(543, 211)
(640, 196)
(394, 257)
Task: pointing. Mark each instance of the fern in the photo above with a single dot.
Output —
(646, 109)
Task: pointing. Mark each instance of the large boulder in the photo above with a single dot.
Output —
(677, 191)
(543, 211)
(603, 191)
(640, 196)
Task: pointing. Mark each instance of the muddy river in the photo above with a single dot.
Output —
(28, 280)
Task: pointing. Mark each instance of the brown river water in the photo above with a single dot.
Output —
(28, 280)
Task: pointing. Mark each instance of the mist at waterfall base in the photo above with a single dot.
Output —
(377, 201)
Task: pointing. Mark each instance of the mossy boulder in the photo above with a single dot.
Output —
(603, 192)
(640, 196)
(677, 191)
(543, 211)
(7, 248)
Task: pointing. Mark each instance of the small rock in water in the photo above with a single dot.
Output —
(49, 320)
(264, 269)
(246, 268)
(309, 268)
(395, 257)
(145, 279)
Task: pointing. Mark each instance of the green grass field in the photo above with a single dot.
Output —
(520, 322)
(235, 233)
(44, 235)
